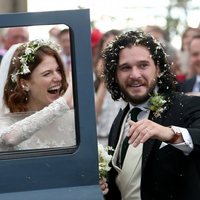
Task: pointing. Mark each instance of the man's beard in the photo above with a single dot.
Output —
(138, 99)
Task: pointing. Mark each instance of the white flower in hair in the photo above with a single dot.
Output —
(14, 78)
(28, 51)
(25, 69)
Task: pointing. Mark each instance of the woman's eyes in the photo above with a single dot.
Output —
(59, 70)
(47, 73)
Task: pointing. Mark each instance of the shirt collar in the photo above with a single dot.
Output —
(198, 79)
(143, 106)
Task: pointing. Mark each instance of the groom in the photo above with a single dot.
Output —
(162, 161)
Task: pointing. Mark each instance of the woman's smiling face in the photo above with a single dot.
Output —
(44, 84)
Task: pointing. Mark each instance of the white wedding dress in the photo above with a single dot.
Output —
(51, 127)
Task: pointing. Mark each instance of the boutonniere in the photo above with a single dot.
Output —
(157, 104)
(104, 160)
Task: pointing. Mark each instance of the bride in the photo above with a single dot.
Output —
(35, 99)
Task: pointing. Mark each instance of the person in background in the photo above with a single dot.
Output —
(183, 54)
(13, 35)
(96, 35)
(156, 137)
(33, 79)
(192, 86)
(53, 33)
(161, 35)
(1, 38)
(64, 41)
(106, 108)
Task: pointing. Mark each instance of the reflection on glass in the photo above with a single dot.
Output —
(33, 78)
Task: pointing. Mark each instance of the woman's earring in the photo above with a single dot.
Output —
(25, 88)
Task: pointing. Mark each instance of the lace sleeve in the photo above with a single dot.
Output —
(24, 129)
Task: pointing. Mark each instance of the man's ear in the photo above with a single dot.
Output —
(158, 71)
(116, 79)
(24, 85)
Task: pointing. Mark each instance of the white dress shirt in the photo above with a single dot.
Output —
(196, 87)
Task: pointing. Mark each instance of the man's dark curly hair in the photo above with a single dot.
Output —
(166, 82)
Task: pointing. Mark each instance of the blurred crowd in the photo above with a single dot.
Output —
(185, 63)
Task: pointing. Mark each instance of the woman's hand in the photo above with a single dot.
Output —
(69, 92)
(103, 186)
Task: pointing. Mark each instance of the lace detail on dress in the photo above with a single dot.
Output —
(24, 129)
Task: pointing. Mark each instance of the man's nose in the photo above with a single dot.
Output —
(135, 72)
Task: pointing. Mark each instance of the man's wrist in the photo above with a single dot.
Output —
(176, 135)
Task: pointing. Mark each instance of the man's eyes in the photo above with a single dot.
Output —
(143, 65)
(127, 67)
(124, 67)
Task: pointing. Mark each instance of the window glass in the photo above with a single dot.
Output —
(53, 124)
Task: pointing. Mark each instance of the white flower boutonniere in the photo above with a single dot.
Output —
(104, 160)
(157, 103)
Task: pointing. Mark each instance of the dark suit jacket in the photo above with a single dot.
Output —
(187, 86)
(166, 173)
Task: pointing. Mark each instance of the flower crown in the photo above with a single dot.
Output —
(29, 55)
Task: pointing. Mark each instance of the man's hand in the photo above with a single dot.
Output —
(145, 129)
